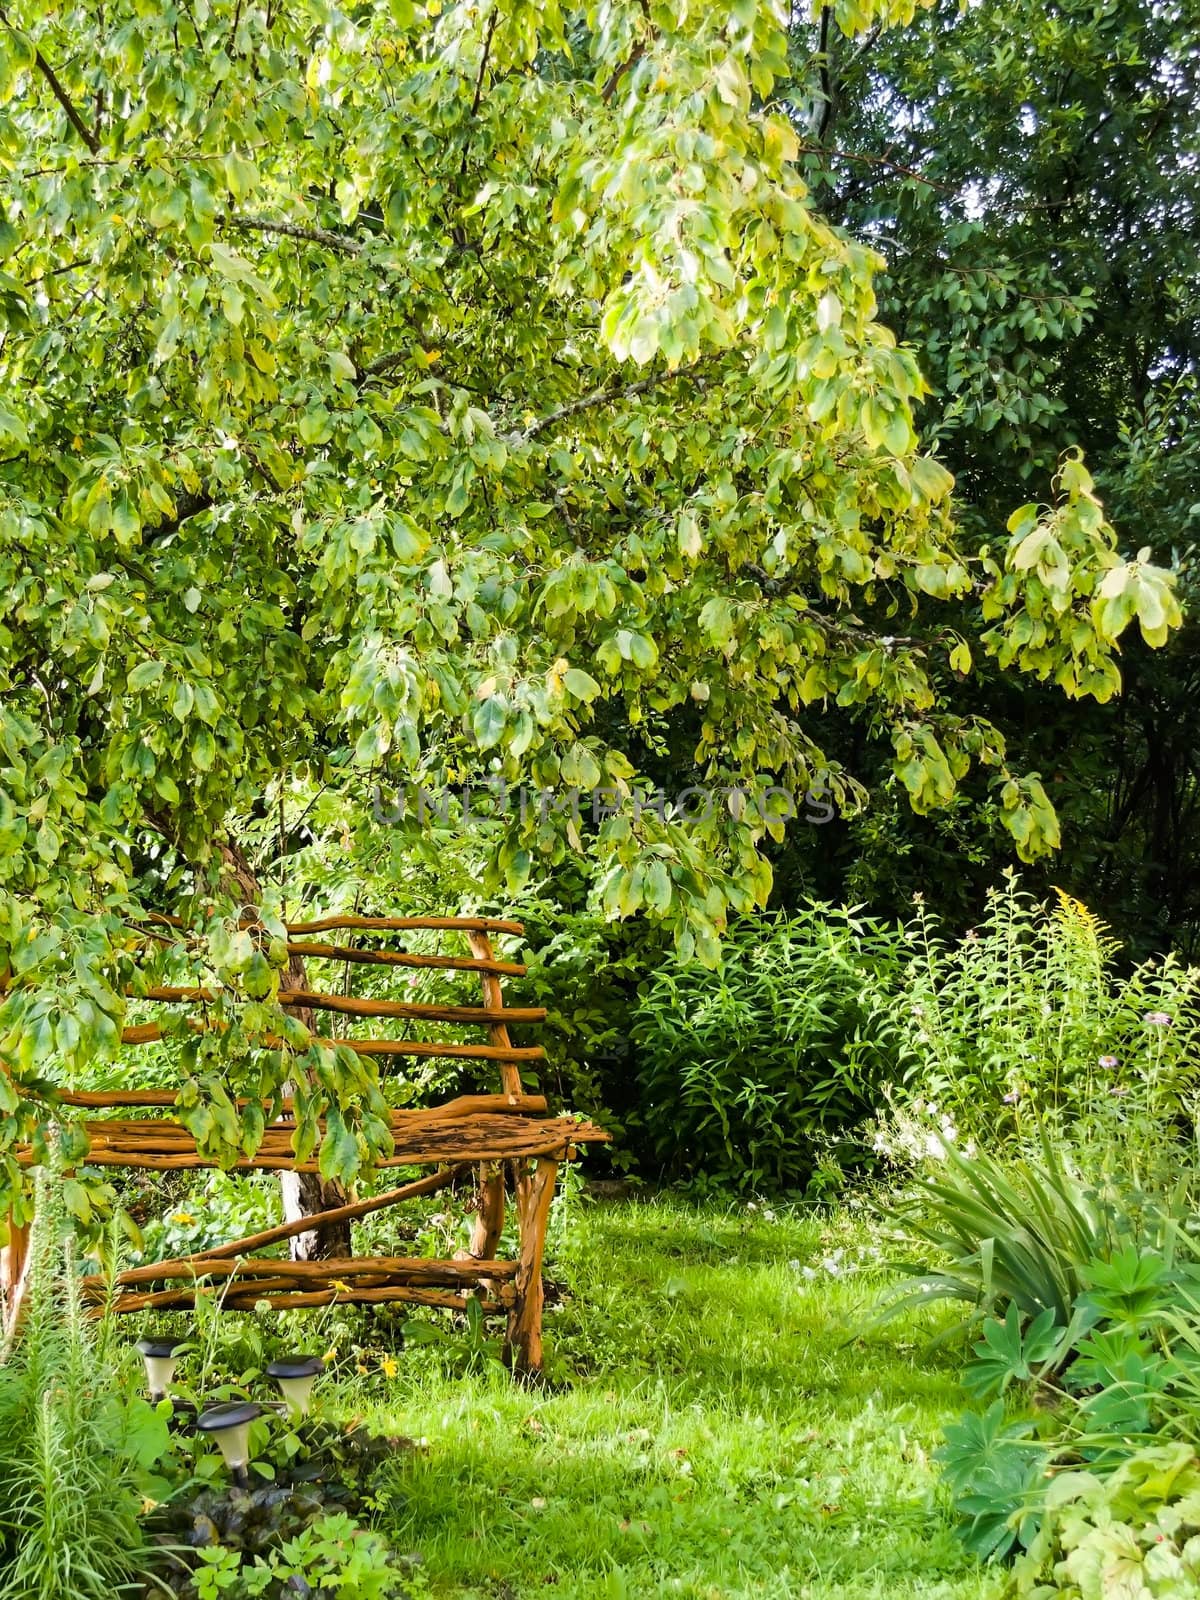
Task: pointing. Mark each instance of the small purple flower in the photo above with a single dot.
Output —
(1109, 1063)
(1157, 1019)
(1011, 1098)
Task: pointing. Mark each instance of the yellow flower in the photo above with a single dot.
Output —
(342, 1288)
(183, 1217)
(331, 1353)
(387, 1365)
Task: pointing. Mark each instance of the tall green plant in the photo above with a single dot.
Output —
(1027, 1019)
(744, 1075)
(69, 1504)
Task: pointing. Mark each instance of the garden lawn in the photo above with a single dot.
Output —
(728, 1429)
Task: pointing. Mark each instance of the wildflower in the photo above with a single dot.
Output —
(1011, 1098)
(331, 1354)
(1109, 1063)
(1117, 1090)
(387, 1365)
(1157, 1019)
(183, 1218)
(808, 1272)
(768, 1216)
(361, 1368)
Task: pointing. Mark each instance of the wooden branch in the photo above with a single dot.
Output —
(493, 1000)
(380, 924)
(489, 1219)
(343, 243)
(152, 1032)
(824, 117)
(157, 1146)
(282, 1299)
(349, 1006)
(59, 93)
(405, 958)
(618, 72)
(535, 1191)
(382, 365)
(394, 1269)
(464, 1105)
(347, 1213)
(483, 66)
(599, 397)
(399, 924)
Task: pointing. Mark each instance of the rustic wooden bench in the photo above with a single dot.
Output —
(499, 1139)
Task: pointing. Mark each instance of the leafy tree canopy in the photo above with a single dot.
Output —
(456, 390)
(1034, 180)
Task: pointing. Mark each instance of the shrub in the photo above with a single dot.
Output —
(746, 1074)
(1027, 1019)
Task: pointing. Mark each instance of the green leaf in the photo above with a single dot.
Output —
(581, 684)
(145, 675)
(489, 722)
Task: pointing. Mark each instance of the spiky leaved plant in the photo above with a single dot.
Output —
(68, 1512)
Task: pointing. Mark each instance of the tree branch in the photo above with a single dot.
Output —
(618, 72)
(483, 63)
(341, 242)
(823, 117)
(876, 161)
(382, 364)
(59, 93)
(598, 397)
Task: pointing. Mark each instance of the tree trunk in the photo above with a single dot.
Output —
(305, 1194)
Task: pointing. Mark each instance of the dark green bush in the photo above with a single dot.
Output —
(749, 1075)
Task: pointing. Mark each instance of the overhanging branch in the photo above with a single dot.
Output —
(59, 93)
(341, 242)
(598, 397)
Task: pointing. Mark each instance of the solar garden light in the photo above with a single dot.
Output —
(295, 1376)
(229, 1425)
(161, 1357)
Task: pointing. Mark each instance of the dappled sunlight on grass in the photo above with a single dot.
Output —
(723, 1429)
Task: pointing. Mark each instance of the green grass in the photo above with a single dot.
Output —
(724, 1429)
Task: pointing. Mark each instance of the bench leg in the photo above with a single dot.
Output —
(489, 1219)
(14, 1268)
(535, 1191)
